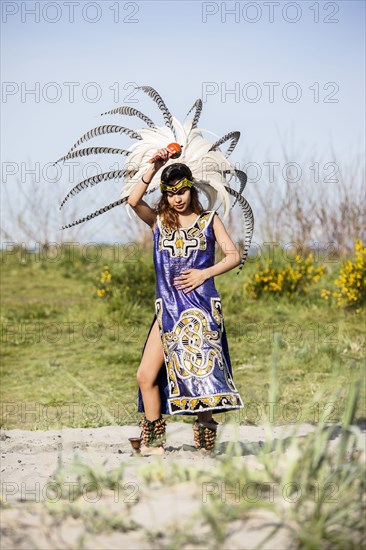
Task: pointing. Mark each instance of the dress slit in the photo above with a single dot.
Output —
(161, 380)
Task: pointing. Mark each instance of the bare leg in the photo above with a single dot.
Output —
(147, 373)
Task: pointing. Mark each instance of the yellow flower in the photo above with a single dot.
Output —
(352, 292)
(293, 278)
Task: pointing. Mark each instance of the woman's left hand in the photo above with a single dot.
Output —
(191, 279)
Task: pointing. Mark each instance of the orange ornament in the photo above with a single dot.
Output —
(176, 149)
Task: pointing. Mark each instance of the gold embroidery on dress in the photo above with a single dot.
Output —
(180, 242)
(217, 401)
(173, 386)
(192, 358)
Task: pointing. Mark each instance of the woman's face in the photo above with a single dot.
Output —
(180, 200)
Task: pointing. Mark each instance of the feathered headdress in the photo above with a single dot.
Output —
(208, 164)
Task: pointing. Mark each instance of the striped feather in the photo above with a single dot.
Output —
(96, 213)
(106, 129)
(243, 181)
(243, 178)
(159, 101)
(233, 136)
(92, 151)
(249, 224)
(208, 163)
(130, 111)
(90, 182)
(198, 106)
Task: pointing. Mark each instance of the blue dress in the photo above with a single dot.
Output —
(196, 374)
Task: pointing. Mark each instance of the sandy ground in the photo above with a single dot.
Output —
(29, 460)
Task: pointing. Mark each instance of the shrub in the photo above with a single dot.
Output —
(135, 282)
(288, 280)
(351, 281)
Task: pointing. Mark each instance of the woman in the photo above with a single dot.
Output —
(187, 332)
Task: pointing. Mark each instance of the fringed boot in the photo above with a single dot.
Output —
(205, 434)
(152, 435)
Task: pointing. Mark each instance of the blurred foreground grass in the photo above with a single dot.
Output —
(312, 488)
(55, 330)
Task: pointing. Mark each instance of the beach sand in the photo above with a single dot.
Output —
(29, 460)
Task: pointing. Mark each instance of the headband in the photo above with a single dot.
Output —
(182, 183)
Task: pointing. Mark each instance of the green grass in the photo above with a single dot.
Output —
(55, 330)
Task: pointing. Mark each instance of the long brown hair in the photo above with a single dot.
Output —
(169, 215)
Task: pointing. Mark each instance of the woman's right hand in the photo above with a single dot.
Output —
(163, 157)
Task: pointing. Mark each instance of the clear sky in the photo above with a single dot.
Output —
(297, 70)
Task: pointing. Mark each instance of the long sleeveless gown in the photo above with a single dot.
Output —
(196, 374)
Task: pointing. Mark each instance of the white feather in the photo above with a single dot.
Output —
(207, 166)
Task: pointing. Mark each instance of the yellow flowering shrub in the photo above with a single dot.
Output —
(351, 282)
(104, 284)
(288, 280)
(130, 282)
